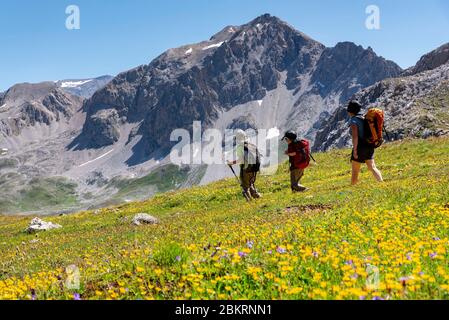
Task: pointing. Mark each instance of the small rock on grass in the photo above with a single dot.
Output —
(37, 225)
(143, 218)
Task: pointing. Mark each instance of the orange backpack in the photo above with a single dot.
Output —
(374, 125)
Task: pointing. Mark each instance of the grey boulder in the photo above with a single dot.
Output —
(143, 218)
(37, 225)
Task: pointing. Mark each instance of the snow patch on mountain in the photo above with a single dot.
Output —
(96, 159)
(216, 45)
(74, 84)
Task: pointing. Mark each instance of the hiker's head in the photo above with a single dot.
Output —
(354, 108)
(240, 136)
(290, 137)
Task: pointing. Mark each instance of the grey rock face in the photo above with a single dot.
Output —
(430, 61)
(348, 68)
(37, 225)
(238, 65)
(103, 128)
(243, 123)
(25, 105)
(143, 218)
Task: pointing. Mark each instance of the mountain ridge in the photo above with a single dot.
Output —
(240, 64)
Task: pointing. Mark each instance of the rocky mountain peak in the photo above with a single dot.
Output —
(28, 92)
(267, 18)
(27, 104)
(430, 61)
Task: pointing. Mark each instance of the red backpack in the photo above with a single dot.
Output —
(303, 149)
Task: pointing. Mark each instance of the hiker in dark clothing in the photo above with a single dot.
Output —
(299, 155)
(362, 152)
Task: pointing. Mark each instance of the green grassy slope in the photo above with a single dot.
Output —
(374, 240)
(51, 193)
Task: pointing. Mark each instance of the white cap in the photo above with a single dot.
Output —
(240, 136)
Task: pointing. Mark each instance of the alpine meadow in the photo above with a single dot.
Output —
(224, 159)
(329, 243)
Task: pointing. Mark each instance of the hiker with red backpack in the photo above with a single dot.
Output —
(299, 154)
(366, 137)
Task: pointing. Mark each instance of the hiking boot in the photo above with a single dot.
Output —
(247, 195)
(300, 189)
(255, 194)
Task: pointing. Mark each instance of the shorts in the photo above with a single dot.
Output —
(364, 152)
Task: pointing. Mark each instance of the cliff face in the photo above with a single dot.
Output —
(25, 105)
(430, 61)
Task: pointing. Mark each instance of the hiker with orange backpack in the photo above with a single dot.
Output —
(366, 137)
(299, 155)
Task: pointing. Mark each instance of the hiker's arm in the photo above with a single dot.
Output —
(292, 154)
(355, 139)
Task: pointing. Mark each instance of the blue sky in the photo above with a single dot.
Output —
(119, 35)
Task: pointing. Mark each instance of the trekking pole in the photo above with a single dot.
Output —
(240, 183)
(235, 175)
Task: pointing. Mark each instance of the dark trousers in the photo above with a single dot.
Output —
(295, 178)
(248, 180)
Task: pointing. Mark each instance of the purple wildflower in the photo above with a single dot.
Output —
(315, 254)
(281, 250)
(349, 263)
(421, 273)
(409, 256)
(404, 279)
(76, 296)
(250, 244)
(355, 276)
(362, 297)
(436, 239)
(178, 258)
(270, 251)
(432, 255)
(242, 254)
(378, 298)
(33, 294)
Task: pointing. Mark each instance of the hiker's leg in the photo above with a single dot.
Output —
(246, 183)
(295, 178)
(356, 166)
(254, 193)
(300, 175)
(376, 172)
